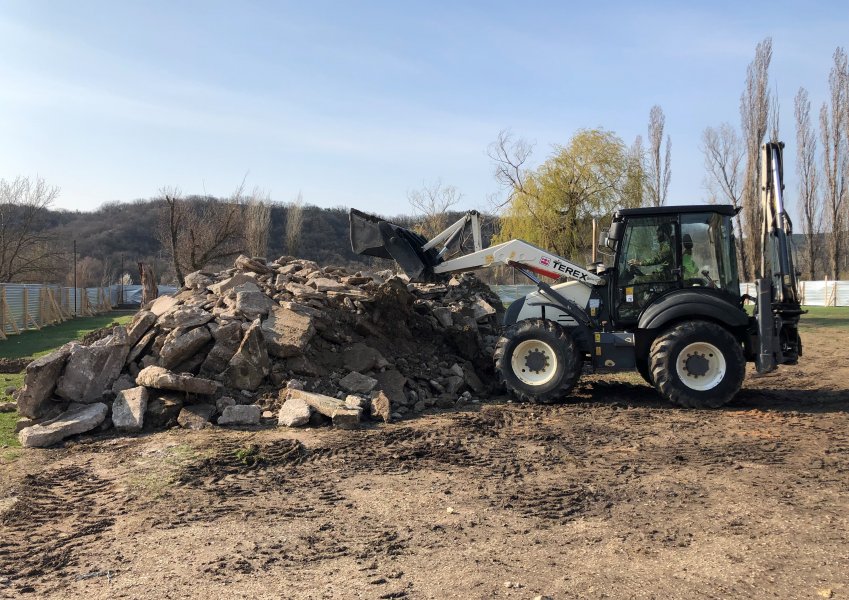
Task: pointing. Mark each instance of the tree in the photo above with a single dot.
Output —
(27, 251)
(553, 206)
(810, 208)
(634, 190)
(294, 224)
(754, 113)
(431, 204)
(199, 232)
(658, 171)
(834, 123)
(723, 152)
(257, 221)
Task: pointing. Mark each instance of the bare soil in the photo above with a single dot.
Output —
(613, 494)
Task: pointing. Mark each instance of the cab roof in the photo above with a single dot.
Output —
(722, 209)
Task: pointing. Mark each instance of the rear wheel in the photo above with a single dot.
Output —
(697, 364)
(537, 360)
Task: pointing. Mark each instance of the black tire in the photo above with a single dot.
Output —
(550, 356)
(711, 352)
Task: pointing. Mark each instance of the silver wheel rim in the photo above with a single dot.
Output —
(701, 366)
(534, 362)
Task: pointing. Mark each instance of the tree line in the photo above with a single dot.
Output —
(552, 205)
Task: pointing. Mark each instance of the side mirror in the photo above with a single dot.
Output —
(617, 228)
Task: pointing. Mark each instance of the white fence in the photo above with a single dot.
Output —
(814, 293)
(32, 306)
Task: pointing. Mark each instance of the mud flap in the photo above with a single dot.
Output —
(372, 236)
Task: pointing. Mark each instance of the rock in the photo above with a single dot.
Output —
(443, 315)
(241, 414)
(251, 302)
(141, 323)
(198, 280)
(196, 416)
(180, 346)
(8, 407)
(91, 370)
(10, 390)
(163, 379)
(227, 340)
(141, 345)
(481, 309)
(219, 289)
(357, 383)
(124, 382)
(245, 263)
(301, 365)
(361, 358)
(358, 402)
(185, 317)
(294, 413)
(341, 415)
(392, 382)
(381, 407)
(163, 304)
(129, 408)
(453, 384)
(163, 408)
(323, 284)
(40, 381)
(69, 423)
(250, 364)
(223, 403)
(472, 380)
(287, 332)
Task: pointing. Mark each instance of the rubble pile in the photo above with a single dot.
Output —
(285, 342)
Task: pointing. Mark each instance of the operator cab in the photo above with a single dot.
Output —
(660, 250)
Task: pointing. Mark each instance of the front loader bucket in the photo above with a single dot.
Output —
(373, 236)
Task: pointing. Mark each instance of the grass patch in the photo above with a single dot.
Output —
(42, 341)
(15, 380)
(825, 316)
(8, 437)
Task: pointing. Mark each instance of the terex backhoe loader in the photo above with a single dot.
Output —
(669, 307)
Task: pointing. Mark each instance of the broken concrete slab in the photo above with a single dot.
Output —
(361, 358)
(40, 381)
(240, 414)
(245, 263)
(219, 289)
(287, 332)
(129, 408)
(341, 415)
(227, 339)
(72, 422)
(163, 408)
(249, 365)
(196, 416)
(294, 413)
(180, 346)
(91, 370)
(185, 317)
(163, 304)
(163, 379)
(392, 383)
(357, 383)
(141, 323)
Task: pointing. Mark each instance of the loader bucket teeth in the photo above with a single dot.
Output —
(372, 236)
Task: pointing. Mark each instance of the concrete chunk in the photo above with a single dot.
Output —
(163, 379)
(287, 332)
(129, 408)
(69, 423)
(91, 370)
(342, 415)
(40, 381)
(240, 414)
(294, 413)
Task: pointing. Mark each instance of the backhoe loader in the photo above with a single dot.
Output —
(669, 306)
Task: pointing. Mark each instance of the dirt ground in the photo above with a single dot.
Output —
(611, 495)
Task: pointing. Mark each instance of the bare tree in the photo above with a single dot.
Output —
(634, 186)
(257, 222)
(294, 224)
(754, 113)
(835, 159)
(658, 170)
(27, 252)
(810, 208)
(432, 202)
(723, 152)
(510, 155)
(198, 232)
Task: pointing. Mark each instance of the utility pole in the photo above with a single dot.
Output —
(121, 300)
(76, 291)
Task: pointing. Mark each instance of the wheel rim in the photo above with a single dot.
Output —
(534, 362)
(701, 366)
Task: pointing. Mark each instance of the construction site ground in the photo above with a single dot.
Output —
(612, 494)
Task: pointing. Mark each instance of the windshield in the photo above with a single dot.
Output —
(708, 251)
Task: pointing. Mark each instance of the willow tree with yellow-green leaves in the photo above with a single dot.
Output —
(553, 205)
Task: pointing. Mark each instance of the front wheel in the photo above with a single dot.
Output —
(697, 364)
(537, 360)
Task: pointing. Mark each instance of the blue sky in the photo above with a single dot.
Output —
(355, 104)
